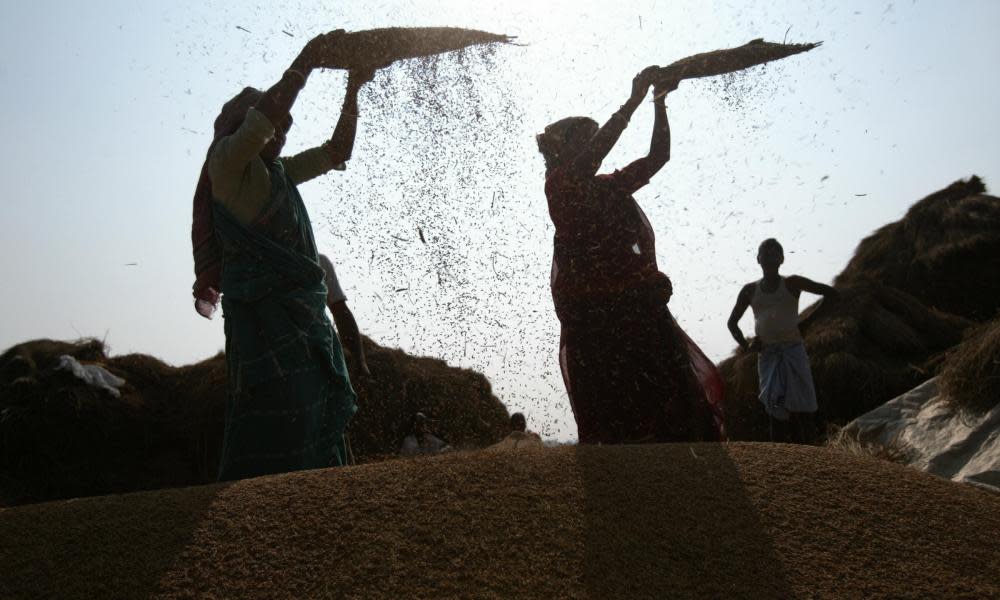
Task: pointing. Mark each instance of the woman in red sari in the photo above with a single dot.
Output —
(631, 373)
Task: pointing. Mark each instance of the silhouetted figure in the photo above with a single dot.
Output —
(786, 384)
(421, 440)
(289, 395)
(347, 326)
(631, 373)
(518, 422)
(519, 436)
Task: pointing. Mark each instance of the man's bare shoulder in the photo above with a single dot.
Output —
(795, 283)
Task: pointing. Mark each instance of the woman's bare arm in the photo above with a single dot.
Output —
(589, 160)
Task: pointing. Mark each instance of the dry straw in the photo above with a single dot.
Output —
(60, 438)
(945, 252)
(730, 60)
(970, 375)
(377, 48)
(894, 450)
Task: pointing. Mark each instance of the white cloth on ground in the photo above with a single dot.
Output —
(93, 375)
(428, 443)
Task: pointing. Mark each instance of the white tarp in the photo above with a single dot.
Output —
(94, 375)
(935, 437)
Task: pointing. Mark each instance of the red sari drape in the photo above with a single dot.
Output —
(631, 373)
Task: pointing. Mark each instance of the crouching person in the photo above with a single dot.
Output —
(421, 440)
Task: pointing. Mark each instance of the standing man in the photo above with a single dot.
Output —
(786, 384)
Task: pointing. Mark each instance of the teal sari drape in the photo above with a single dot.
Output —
(289, 398)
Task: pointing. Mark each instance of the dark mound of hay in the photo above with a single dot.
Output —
(671, 521)
(865, 348)
(945, 252)
(25, 359)
(970, 374)
(60, 438)
(376, 48)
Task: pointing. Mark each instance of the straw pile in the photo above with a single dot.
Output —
(945, 252)
(970, 374)
(60, 438)
(377, 48)
(894, 450)
(911, 290)
(652, 521)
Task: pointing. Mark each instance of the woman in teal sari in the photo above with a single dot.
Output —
(289, 397)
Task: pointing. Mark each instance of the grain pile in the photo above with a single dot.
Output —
(657, 521)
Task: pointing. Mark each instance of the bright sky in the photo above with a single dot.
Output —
(108, 109)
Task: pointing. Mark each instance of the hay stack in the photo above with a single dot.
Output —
(25, 359)
(377, 48)
(970, 374)
(945, 252)
(729, 60)
(867, 347)
(60, 438)
(671, 521)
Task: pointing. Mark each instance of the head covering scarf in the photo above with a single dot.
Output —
(206, 249)
(552, 142)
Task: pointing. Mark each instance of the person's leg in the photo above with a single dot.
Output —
(766, 378)
(804, 427)
(781, 429)
(585, 376)
(264, 432)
